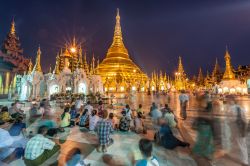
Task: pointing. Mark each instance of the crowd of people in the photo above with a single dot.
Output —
(36, 147)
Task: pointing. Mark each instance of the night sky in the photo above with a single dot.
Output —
(155, 32)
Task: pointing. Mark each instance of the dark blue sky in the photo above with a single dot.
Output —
(155, 32)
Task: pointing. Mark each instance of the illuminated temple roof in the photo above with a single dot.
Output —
(117, 65)
(11, 53)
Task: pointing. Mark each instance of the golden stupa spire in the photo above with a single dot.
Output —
(228, 74)
(117, 44)
(50, 70)
(80, 63)
(93, 61)
(56, 70)
(38, 60)
(13, 28)
(180, 67)
(30, 67)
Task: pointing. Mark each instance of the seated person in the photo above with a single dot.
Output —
(15, 110)
(103, 129)
(146, 148)
(139, 124)
(124, 124)
(39, 148)
(5, 116)
(73, 115)
(50, 124)
(65, 118)
(170, 117)
(166, 138)
(84, 119)
(93, 119)
(75, 158)
(112, 121)
(18, 129)
(9, 148)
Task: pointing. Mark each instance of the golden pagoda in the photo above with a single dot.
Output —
(228, 74)
(117, 65)
(38, 67)
(180, 77)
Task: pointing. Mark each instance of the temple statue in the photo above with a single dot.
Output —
(117, 66)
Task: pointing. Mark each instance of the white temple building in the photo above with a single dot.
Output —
(36, 85)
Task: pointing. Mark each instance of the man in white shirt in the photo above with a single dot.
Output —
(89, 108)
(183, 104)
(78, 104)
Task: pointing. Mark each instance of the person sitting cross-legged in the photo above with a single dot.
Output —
(84, 119)
(104, 129)
(39, 148)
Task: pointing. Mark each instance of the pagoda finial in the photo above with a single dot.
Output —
(30, 67)
(50, 70)
(80, 62)
(180, 66)
(13, 28)
(56, 69)
(228, 74)
(38, 60)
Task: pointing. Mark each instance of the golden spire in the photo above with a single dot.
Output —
(93, 61)
(85, 63)
(228, 74)
(180, 67)
(80, 63)
(12, 28)
(117, 46)
(56, 70)
(38, 60)
(30, 67)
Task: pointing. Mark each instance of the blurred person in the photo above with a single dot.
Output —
(84, 119)
(155, 113)
(183, 98)
(5, 116)
(124, 124)
(128, 111)
(15, 110)
(104, 129)
(39, 149)
(139, 109)
(100, 109)
(153, 107)
(170, 117)
(208, 97)
(73, 115)
(78, 104)
(89, 107)
(10, 148)
(112, 121)
(75, 158)
(166, 138)
(204, 144)
(139, 124)
(33, 112)
(18, 130)
(93, 119)
(146, 148)
(65, 118)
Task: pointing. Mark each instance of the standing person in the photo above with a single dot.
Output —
(65, 118)
(155, 113)
(153, 107)
(39, 149)
(146, 148)
(93, 119)
(78, 104)
(88, 107)
(104, 129)
(128, 111)
(100, 109)
(183, 104)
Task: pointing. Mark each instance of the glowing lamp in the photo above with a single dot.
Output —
(122, 88)
(73, 50)
(133, 88)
